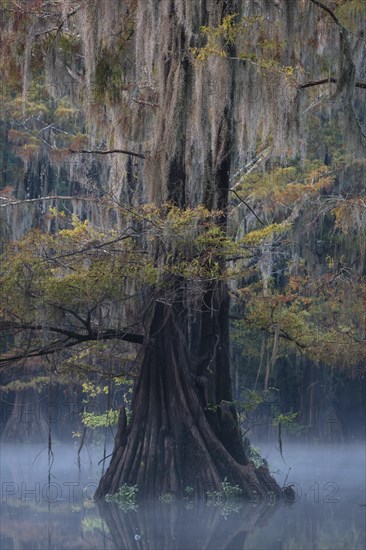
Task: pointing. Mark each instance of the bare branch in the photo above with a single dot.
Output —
(248, 168)
(90, 248)
(347, 71)
(247, 205)
(49, 198)
(108, 152)
(14, 325)
(141, 102)
(329, 11)
(58, 27)
(331, 80)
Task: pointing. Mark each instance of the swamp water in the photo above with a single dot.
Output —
(39, 511)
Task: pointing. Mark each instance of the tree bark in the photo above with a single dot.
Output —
(183, 431)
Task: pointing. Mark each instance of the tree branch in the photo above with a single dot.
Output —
(141, 102)
(89, 248)
(329, 11)
(49, 198)
(248, 168)
(14, 325)
(247, 205)
(327, 81)
(264, 329)
(58, 27)
(108, 152)
(347, 72)
(72, 339)
(108, 334)
(8, 359)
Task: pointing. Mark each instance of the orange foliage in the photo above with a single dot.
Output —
(58, 155)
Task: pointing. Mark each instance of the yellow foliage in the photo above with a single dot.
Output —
(256, 237)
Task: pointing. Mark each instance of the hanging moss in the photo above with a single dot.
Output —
(108, 83)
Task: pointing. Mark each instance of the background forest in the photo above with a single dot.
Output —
(109, 146)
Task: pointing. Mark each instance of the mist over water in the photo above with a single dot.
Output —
(49, 509)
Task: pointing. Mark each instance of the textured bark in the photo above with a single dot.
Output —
(177, 437)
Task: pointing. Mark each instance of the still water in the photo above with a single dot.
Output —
(55, 510)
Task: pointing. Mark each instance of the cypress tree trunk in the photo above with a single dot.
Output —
(183, 431)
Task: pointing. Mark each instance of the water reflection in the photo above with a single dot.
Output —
(36, 514)
(178, 526)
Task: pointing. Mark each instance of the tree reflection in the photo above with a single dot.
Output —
(187, 525)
